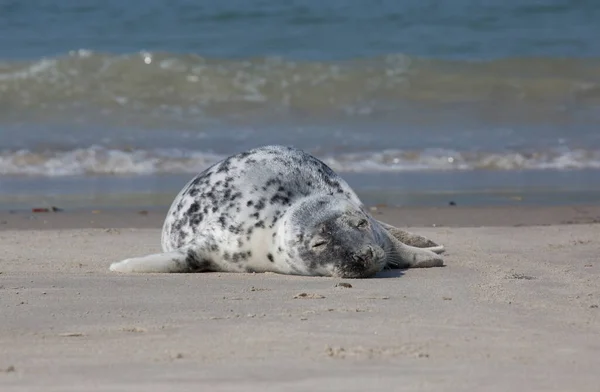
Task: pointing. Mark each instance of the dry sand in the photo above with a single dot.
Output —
(515, 308)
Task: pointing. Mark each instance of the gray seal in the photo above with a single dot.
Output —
(278, 209)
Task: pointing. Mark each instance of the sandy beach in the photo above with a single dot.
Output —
(515, 307)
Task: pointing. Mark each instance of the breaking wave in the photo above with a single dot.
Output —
(97, 160)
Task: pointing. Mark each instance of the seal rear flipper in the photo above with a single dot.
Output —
(179, 260)
(401, 255)
(411, 239)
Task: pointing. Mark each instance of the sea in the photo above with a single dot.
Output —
(109, 104)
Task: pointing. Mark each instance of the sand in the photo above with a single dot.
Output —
(516, 308)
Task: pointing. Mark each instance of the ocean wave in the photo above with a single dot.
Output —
(98, 160)
(182, 83)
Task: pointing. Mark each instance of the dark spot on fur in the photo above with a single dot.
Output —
(270, 257)
(224, 166)
(196, 219)
(235, 229)
(280, 199)
(249, 203)
(194, 208)
(196, 264)
(261, 204)
(260, 224)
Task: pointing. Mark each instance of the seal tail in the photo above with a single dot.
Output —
(179, 260)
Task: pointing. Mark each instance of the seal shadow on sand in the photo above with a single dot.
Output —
(395, 272)
(389, 273)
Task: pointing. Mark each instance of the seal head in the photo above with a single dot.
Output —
(334, 237)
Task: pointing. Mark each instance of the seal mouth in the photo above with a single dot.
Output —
(353, 271)
(365, 274)
(365, 262)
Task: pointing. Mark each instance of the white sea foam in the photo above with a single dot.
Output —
(98, 160)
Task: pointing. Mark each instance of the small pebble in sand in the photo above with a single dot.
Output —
(258, 289)
(308, 296)
(9, 369)
(134, 329)
(344, 284)
(447, 298)
(594, 306)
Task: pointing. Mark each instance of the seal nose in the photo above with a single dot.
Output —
(363, 256)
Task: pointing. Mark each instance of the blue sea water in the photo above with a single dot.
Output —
(465, 97)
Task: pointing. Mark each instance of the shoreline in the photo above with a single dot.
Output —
(449, 216)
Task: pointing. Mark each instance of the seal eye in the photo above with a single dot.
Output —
(319, 243)
(362, 224)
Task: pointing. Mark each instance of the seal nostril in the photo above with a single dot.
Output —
(356, 257)
(364, 256)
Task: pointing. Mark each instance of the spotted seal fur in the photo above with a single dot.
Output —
(278, 209)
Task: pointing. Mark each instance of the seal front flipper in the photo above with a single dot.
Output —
(179, 260)
(411, 239)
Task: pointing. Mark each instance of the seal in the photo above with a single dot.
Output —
(278, 209)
